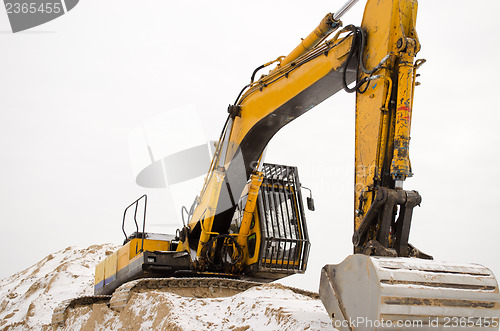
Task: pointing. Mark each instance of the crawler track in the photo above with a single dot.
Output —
(190, 287)
(59, 314)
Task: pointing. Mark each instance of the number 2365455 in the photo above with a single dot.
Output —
(454, 322)
(32, 8)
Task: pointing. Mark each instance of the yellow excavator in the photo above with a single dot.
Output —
(248, 226)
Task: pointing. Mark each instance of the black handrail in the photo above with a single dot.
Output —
(136, 203)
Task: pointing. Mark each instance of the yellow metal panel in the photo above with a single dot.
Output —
(110, 265)
(106, 270)
(99, 273)
(156, 245)
(123, 256)
(149, 245)
(134, 248)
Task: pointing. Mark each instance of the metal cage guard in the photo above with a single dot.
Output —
(285, 241)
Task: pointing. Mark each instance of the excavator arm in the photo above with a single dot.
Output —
(300, 82)
(383, 121)
(315, 70)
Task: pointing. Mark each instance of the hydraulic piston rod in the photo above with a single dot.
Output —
(345, 8)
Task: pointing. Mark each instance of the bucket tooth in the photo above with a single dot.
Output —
(379, 293)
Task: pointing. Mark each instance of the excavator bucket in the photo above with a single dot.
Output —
(379, 293)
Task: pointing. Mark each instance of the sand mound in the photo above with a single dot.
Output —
(29, 297)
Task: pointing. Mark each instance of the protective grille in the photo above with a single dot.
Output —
(285, 242)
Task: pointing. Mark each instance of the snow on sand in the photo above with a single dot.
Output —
(28, 298)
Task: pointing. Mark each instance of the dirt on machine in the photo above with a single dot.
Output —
(248, 224)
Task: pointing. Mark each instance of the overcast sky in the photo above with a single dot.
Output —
(75, 88)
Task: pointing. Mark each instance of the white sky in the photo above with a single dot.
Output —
(74, 88)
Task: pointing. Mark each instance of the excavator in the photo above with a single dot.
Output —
(247, 226)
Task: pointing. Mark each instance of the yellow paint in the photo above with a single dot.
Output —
(99, 273)
(125, 255)
(280, 262)
(255, 230)
(110, 265)
(183, 246)
(326, 27)
(214, 189)
(379, 123)
(400, 168)
(149, 245)
(246, 221)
